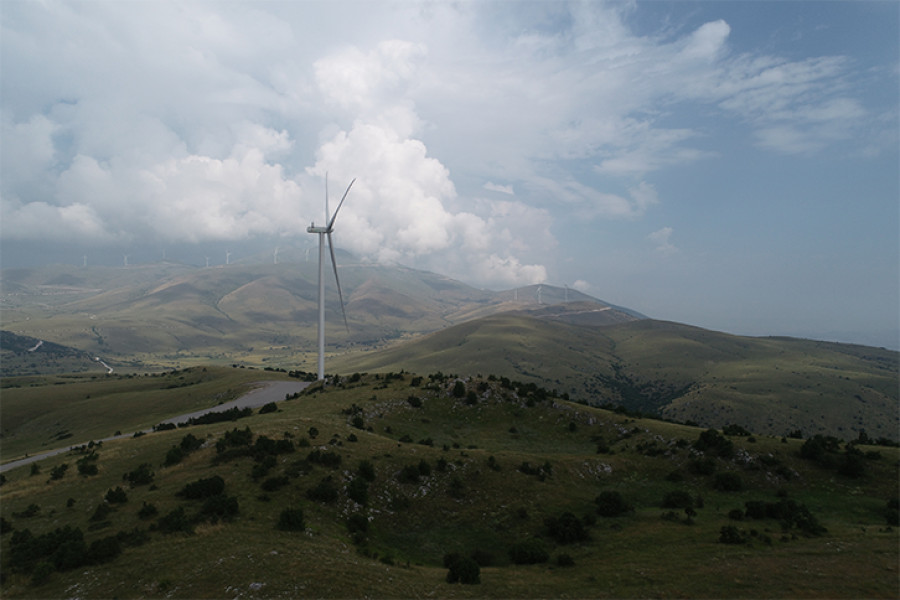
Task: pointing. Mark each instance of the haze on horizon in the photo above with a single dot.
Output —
(731, 165)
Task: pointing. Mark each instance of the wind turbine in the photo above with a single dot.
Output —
(324, 232)
(227, 257)
(276, 256)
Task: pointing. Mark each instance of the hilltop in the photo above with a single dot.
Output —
(386, 485)
(669, 370)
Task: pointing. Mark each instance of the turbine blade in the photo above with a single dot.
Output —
(338, 281)
(344, 197)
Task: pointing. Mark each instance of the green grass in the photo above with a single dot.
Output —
(477, 503)
(36, 410)
(683, 373)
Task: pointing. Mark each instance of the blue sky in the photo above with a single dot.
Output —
(732, 165)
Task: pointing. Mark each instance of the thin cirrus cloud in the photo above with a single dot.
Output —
(197, 122)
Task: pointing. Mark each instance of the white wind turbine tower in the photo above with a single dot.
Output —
(324, 232)
(227, 257)
(276, 255)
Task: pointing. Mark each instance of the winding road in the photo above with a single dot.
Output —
(265, 392)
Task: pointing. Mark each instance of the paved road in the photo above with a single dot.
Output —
(267, 391)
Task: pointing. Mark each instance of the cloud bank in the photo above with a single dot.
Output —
(194, 122)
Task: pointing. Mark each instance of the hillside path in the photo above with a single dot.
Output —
(263, 393)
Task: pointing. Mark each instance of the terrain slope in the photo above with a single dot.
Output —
(391, 485)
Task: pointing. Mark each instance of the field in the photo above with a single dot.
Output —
(393, 472)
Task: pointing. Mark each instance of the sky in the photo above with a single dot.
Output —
(730, 165)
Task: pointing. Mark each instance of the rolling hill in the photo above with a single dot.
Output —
(168, 314)
(387, 485)
(683, 373)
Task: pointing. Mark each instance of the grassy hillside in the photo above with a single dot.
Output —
(393, 473)
(769, 385)
(48, 412)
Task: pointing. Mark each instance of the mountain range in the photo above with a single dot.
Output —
(164, 315)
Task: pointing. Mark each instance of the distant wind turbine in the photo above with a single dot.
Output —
(125, 259)
(227, 257)
(324, 232)
(276, 255)
(84, 260)
(207, 262)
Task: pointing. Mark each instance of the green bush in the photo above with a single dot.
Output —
(273, 484)
(268, 408)
(148, 511)
(678, 499)
(219, 507)
(564, 560)
(203, 488)
(174, 522)
(612, 504)
(325, 491)
(714, 442)
(366, 470)
(142, 475)
(463, 569)
(729, 534)
(529, 552)
(116, 496)
(728, 481)
(291, 519)
(103, 550)
(358, 490)
(566, 529)
(42, 572)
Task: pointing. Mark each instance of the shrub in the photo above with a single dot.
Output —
(326, 458)
(291, 519)
(173, 456)
(42, 572)
(190, 443)
(148, 511)
(728, 481)
(459, 390)
(117, 495)
(101, 512)
(528, 552)
(414, 401)
(58, 471)
(366, 470)
(174, 522)
(714, 442)
(142, 475)
(409, 474)
(677, 499)
(268, 408)
(892, 512)
(63, 548)
(358, 490)
(104, 550)
(702, 466)
(273, 484)
(203, 488)
(218, 507)
(729, 534)
(566, 529)
(611, 504)
(5, 526)
(463, 569)
(736, 514)
(564, 560)
(325, 491)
